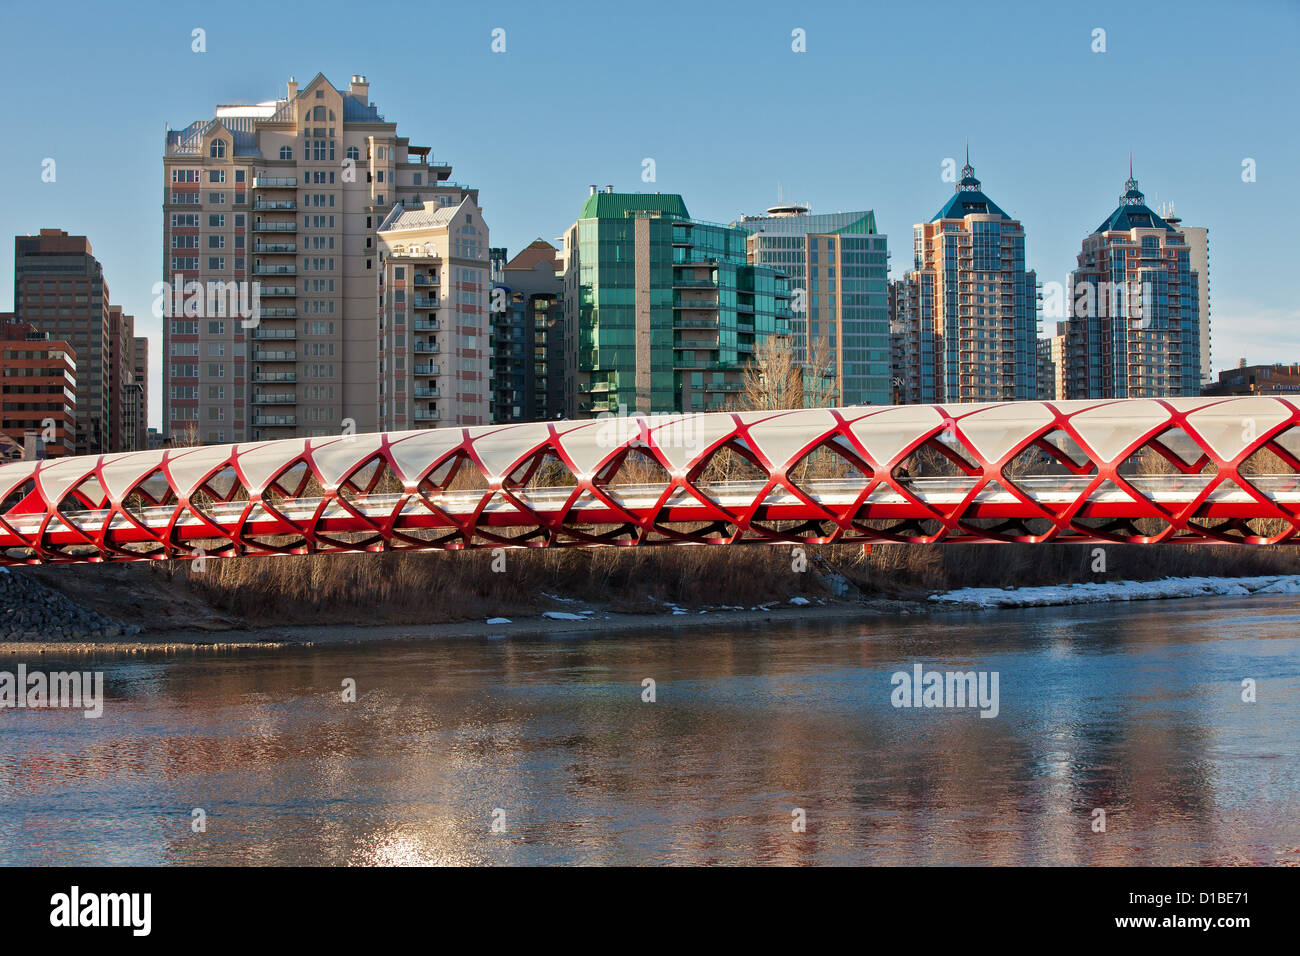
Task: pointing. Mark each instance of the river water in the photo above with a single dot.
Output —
(1133, 709)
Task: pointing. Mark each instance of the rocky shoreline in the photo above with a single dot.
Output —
(30, 611)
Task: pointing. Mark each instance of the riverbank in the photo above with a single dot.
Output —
(264, 602)
(583, 620)
(574, 617)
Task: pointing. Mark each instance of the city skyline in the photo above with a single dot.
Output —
(1056, 173)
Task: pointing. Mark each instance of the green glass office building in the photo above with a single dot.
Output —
(662, 312)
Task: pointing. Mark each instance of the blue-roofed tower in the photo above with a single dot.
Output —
(966, 320)
(1133, 328)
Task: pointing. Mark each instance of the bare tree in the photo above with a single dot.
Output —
(186, 437)
(776, 379)
(818, 373)
(771, 379)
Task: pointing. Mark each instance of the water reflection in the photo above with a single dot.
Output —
(1135, 709)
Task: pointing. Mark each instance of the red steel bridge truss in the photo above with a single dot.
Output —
(1135, 470)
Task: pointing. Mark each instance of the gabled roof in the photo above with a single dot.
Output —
(190, 139)
(427, 215)
(538, 251)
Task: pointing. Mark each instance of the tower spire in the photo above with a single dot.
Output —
(968, 182)
(1132, 194)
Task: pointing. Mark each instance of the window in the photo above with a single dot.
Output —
(354, 154)
(216, 175)
(217, 220)
(286, 152)
(217, 199)
(217, 149)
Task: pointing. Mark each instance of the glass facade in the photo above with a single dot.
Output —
(668, 310)
(837, 267)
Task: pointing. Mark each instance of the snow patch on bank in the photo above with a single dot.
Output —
(1093, 592)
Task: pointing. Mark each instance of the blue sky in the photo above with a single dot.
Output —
(716, 96)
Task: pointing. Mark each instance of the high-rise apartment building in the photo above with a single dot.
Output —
(527, 335)
(909, 343)
(972, 307)
(59, 288)
(127, 391)
(38, 396)
(1051, 365)
(276, 206)
(838, 268)
(1134, 329)
(432, 328)
(1198, 245)
(140, 368)
(662, 312)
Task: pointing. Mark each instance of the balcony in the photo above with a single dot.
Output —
(269, 291)
(275, 247)
(265, 226)
(275, 182)
(275, 205)
(424, 415)
(428, 348)
(280, 356)
(426, 325)
(279, 313)
(428, 370)
(276, 421)
(424, 302)
(269, 378)
(275, 398)
(275, 333)
(265, 270)
(427, 392)
(422, 280)
(696, 304)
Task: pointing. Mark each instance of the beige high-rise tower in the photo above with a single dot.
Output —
(270, 261)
